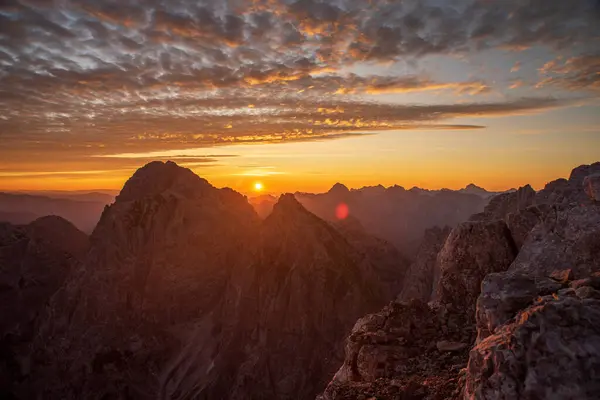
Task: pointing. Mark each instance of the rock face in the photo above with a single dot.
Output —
(34, 262)
(418, 283)
(186, 293)
(537, 322)
(389, 266)
(591, 185)
(550, 349)
(396, 354)
(473, 250)
(415, 349)
(503, 204)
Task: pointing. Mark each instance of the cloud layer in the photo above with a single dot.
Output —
(110, 74)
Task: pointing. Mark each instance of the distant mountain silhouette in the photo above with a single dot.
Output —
(79, 209)
(395, 214)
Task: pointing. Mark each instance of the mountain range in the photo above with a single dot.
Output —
(182, 291)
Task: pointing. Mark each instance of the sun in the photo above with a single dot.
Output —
(258, 186)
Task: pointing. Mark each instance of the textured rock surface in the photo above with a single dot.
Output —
(473, 250)
(567, 238)
(389, 266)
(503, 204)
(394, 354)
(591, 185)
(540, 318)
(520, 223)
(549, 350)
(415, 349)
(307, 289)
(34, 262)
(418, 283)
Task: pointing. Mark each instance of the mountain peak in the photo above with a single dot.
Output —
(339, 188)
(287, 202)
(157, 177)
(472, 186)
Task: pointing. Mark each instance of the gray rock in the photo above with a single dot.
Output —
(567, 238)
(551, 350)
(504, 294)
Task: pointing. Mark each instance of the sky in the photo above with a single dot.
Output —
(299, 94)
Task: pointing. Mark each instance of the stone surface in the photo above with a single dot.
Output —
(394, 354)
(551, 350)
(521, 222)
(473, 250)
(503, 204)
(418, 283)
(591, 186)
(567, 238)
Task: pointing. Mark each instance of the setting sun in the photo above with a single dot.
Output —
(258, 187)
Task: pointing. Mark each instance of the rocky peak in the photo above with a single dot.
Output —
(157, 177)
(580, 173)
(339, 189)
(60, 233)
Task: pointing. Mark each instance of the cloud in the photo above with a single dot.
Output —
(579, 73)
(91, 77)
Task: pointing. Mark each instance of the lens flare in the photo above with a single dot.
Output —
(342, 211)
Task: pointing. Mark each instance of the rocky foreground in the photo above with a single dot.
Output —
(515, 312)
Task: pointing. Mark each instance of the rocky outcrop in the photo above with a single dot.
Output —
(534, 319)
(591, 185)
(35, 260)
(503, 204)
(418, 283)
(407, 350)
(550, 349)
(472, 250)
(537, 322)
(520, 223)
(567, 238)
(416, 349)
